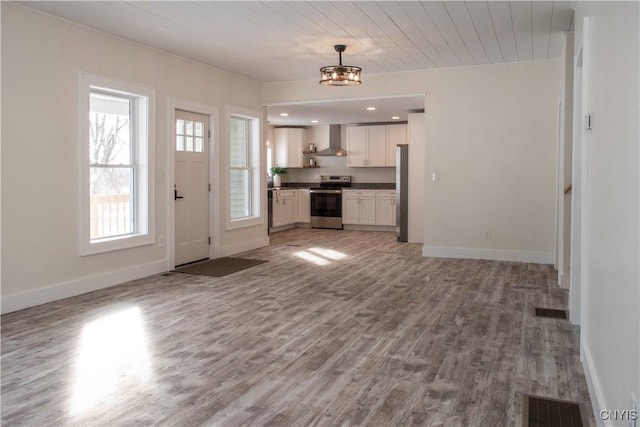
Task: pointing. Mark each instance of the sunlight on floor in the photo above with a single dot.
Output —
(329, 253)
(113, 354)
(320, 256)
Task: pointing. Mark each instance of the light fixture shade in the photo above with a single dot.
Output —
(340, 75)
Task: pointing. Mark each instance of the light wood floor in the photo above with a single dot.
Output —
(377, 335)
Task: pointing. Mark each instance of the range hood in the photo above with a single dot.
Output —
(334, 143)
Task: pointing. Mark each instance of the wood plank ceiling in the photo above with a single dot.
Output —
(289, 40)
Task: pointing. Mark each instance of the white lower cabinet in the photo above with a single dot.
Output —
(304, 206)
(386, 207)
(369, 207)
(285, 207)
(359, 207)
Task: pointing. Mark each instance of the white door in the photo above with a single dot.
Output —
(191, 190)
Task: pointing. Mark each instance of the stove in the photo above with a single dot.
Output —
(326, 201)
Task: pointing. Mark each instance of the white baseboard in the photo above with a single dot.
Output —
(244, 246)
(593, 384)
(82, 285)
(358, 227)
(490, 254)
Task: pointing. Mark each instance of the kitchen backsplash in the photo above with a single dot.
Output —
(330, 165)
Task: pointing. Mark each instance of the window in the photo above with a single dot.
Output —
(240, 176)
(189, 136)
(117, 210)
(244, 176)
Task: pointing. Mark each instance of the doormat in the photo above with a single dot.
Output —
(219, 267)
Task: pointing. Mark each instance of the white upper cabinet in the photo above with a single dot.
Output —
(396, 134)
(356, 146)
(374, 146)
(290, 142)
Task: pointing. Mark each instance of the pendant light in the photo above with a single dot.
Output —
(340, 75)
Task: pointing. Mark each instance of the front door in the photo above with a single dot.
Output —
(191, 189)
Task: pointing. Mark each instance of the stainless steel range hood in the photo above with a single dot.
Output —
(334, 143)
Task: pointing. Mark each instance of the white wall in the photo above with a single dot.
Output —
(610, 287)
(491, 135)
(41, 60)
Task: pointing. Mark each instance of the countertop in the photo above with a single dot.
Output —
(354, 185)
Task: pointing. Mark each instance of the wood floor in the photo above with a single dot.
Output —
(338, 328)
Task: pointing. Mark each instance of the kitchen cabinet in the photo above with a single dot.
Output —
(359, 207)
(285, 207)
(396, 134)
(386, 207)
(304, 206)
(290, 143)
(366, 146)
(374, 146)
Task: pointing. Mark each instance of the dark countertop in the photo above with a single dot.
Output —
(354, 186)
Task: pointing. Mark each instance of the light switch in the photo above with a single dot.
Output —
(435, 177)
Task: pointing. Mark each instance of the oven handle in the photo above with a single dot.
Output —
(326, 191)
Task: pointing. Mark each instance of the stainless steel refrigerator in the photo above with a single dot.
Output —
(402, 182)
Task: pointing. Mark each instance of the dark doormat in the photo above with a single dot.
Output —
(219, 267)
(543, 412)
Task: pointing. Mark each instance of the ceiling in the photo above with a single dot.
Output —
(274, 41)
(346, 111)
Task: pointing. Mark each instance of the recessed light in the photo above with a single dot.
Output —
(371, 108)
(314, 121)
(395, 118)
(284, 115)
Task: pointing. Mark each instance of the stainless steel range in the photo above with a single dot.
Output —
(326, 201)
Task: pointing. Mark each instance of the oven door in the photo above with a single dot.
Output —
(326, 203)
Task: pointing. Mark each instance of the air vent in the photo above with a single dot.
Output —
(540, 411)
(552, 313)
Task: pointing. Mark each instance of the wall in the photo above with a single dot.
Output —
(41, 60)
(491, 134)
(610, 285)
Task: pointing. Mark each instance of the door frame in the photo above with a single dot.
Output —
(214, 169)
(579, 282)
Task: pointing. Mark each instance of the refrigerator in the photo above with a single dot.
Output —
(402, 182)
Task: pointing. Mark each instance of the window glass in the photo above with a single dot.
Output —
(111, 170)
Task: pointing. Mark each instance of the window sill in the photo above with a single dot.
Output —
(116, 244)
(244, 223)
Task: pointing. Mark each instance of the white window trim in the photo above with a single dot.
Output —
(146, 127)
(256, 217)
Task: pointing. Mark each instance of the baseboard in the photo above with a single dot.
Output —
(82, 285)
(357, 227)
(244, 246)
(593, 384)
(490, 254)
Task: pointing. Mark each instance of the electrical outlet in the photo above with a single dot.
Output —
(487, 235)
(161, 241)
(435, 177)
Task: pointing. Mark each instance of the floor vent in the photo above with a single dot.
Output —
(539, 412)
(552, 313)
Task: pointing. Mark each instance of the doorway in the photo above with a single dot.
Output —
(191, 187)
